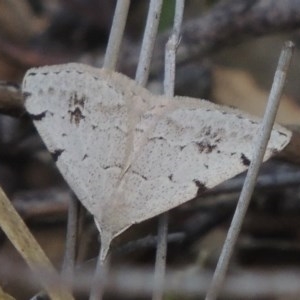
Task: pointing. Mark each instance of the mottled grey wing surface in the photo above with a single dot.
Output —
(84, 116)
(129, 155)
(194, 145)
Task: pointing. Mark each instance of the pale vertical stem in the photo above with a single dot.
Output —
(150, 33)
(169, 84)
(71, 240)
(247, 190)
(98, 284)
(110, 61)
(116, 34)
(170, 52)
(161, 256)
(179, 9)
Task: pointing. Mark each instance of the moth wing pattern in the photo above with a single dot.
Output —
(84, 116)
(129, 155)
(194, 146)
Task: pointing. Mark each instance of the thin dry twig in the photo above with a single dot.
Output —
(5, 296)
(169, 84)
(127, 281)
(150, 33)
(260, 147)
(245, 284)
(142, 74)
(227, 23)
(99, 280)
(116, 34)
(148, 242)
(272, 180)
(171, 49)
(71, 240)
(11, 100)
(110, 61)
(21, 237)
(161, 256)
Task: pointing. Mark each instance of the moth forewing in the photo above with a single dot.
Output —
(129, 155)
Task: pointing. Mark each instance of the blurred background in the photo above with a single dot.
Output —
(228, 54)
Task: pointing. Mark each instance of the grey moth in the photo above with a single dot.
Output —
(130, 155)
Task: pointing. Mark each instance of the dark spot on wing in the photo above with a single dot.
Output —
(206, 166)
(51, 90)
(31, 74)
(38, 117)
(56, 154)
(76, 116)
(205, 147)
(120, 129)
(85, 156)
(112, 166)
(157, 138)
(76, 100)
(282, 133)
(140, 175)
(170, 177)
(201, 187)
(206, 130)
(253, 122)
(139, 130)
(245, 160)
